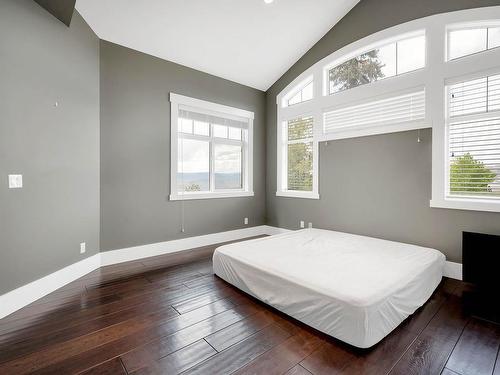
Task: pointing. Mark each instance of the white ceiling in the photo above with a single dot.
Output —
(246, 41)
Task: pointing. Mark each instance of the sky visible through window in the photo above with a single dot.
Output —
(194, 158)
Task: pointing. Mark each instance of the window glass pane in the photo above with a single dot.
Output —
(411, 54)
(235, 133)
(220, 131)
(386, 58)
(193, 165)
(301, 128)
(474, 158)
(466, 42)
(493, 37)
(297, 98)
(186, 126)
(201, 128)
(300, 166)
(227, 166)
(368, 67)
(307, 92)
(468, 97)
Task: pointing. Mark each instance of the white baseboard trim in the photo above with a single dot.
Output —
(26, 294)
(29, 293)
(161, 248)
(453, 270)
(23, 296)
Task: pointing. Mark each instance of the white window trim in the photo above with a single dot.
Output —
(461, 203)
(218, 110)
(481, 24)
(282, 191)
(297, 89)
(433, 77)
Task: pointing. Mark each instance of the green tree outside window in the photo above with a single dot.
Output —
(470, 175)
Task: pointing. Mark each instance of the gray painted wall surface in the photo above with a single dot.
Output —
(381, 185)
(135, 151)
(56, 149)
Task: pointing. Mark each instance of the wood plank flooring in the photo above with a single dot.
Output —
(171, 315)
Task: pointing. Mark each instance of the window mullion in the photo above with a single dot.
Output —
(212, 161)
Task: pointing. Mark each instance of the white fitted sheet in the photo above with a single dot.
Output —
(354, 288)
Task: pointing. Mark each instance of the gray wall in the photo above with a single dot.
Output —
(135, 151)
(56, 149)
(380, 185)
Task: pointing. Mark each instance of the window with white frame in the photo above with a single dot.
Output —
(459, 100)
(302, 93)
(298, 135)
(211, 150)
(470, 40)
(386, 61)
(473, 147)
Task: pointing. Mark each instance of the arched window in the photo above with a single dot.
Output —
(441, 71)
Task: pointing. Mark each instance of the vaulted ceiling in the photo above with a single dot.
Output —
(246, 41)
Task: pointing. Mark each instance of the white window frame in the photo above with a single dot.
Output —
(478, 24)
(365, 49)
(283, 167)
(433, 77)
(461, 202)
(180, 101)
(296, 90)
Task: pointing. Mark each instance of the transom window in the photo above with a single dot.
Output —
(213, 150)
(302, 93)
(467, 41)
(386, 61)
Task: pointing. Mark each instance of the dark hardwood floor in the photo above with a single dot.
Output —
(171, 315)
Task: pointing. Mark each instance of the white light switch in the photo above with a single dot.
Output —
(246, 221)
(15, 181)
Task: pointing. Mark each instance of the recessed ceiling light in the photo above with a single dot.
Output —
(268, 1)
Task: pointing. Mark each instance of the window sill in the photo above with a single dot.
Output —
(297, 194)
(194, 196)
(466, 204)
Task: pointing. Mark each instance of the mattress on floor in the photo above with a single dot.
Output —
(354, 288)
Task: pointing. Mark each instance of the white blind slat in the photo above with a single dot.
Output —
(474, 96)
(474, 157)
(394, 110)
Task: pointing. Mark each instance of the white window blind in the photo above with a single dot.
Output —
(474, 138)
(393, 110)
(475, 96)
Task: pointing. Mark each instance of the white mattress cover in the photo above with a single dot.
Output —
(355, 288)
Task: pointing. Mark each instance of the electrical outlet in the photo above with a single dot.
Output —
(310, 225)
(302, 225)
(82, 248)
(15, 181)
(246, 221)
